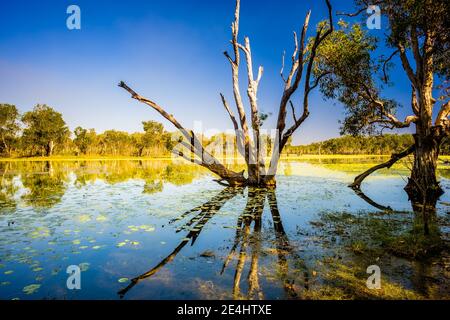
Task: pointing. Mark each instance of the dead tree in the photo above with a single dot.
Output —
(303, 59)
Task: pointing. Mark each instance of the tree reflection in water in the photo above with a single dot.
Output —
(246, 245)
(425, 214)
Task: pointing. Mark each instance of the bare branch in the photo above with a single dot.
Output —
(282, 67)
(208, 161)
(294, 54)
(444, 112)
(291, 88)
(260, 73)
(363, 8)
(317, 80)
(394, 158)
(354, 14)
(239, 142)
(416, 52)
(229, 58)
(407, 66)
(414, 103)
(230, 113)
(235, 80)
(385, 77)
(293, 111)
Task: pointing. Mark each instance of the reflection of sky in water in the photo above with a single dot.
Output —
(112, 219)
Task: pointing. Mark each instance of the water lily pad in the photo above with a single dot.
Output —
(84, 266)
(8, 272)
(122, 280)
(32, 288)
(84, 218)
(101, 218)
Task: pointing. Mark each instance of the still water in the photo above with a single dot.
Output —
(165, 230)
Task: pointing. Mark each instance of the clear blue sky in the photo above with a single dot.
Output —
(169, 51)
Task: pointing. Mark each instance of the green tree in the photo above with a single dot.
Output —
(138, 141)
(9, 127)
(115, 142)
(153, 137)
(45, 129)
(83, 138)
(354, 74)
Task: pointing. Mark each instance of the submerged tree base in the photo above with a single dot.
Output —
(429, 196)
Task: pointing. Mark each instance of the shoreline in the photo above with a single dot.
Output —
(167, 158)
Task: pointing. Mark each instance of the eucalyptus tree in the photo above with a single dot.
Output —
(249, 140)
(83, 139)
(418, 33)
(9, 128)
(45, 128)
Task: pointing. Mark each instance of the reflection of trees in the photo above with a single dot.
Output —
(7, 188)
(46, 181)
(424, 213)
(247, 244)
(46, 186)
(154, 173)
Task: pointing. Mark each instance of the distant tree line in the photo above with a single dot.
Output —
(43, 132)
(348, 144)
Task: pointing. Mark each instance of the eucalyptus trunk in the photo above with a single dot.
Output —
(423, 186)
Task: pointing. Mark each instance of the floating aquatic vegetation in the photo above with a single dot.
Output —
(40, 232)
(84, 266)
(93, 219)
(32, 288)
(127, 242)
(101, 218)
(144, 227)
(84, 218)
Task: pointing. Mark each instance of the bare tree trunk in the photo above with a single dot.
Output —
(256, 172)
(49, 148)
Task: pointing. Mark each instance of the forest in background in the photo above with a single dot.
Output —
(43, 132)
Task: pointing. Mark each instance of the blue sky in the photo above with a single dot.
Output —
(168, 51)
